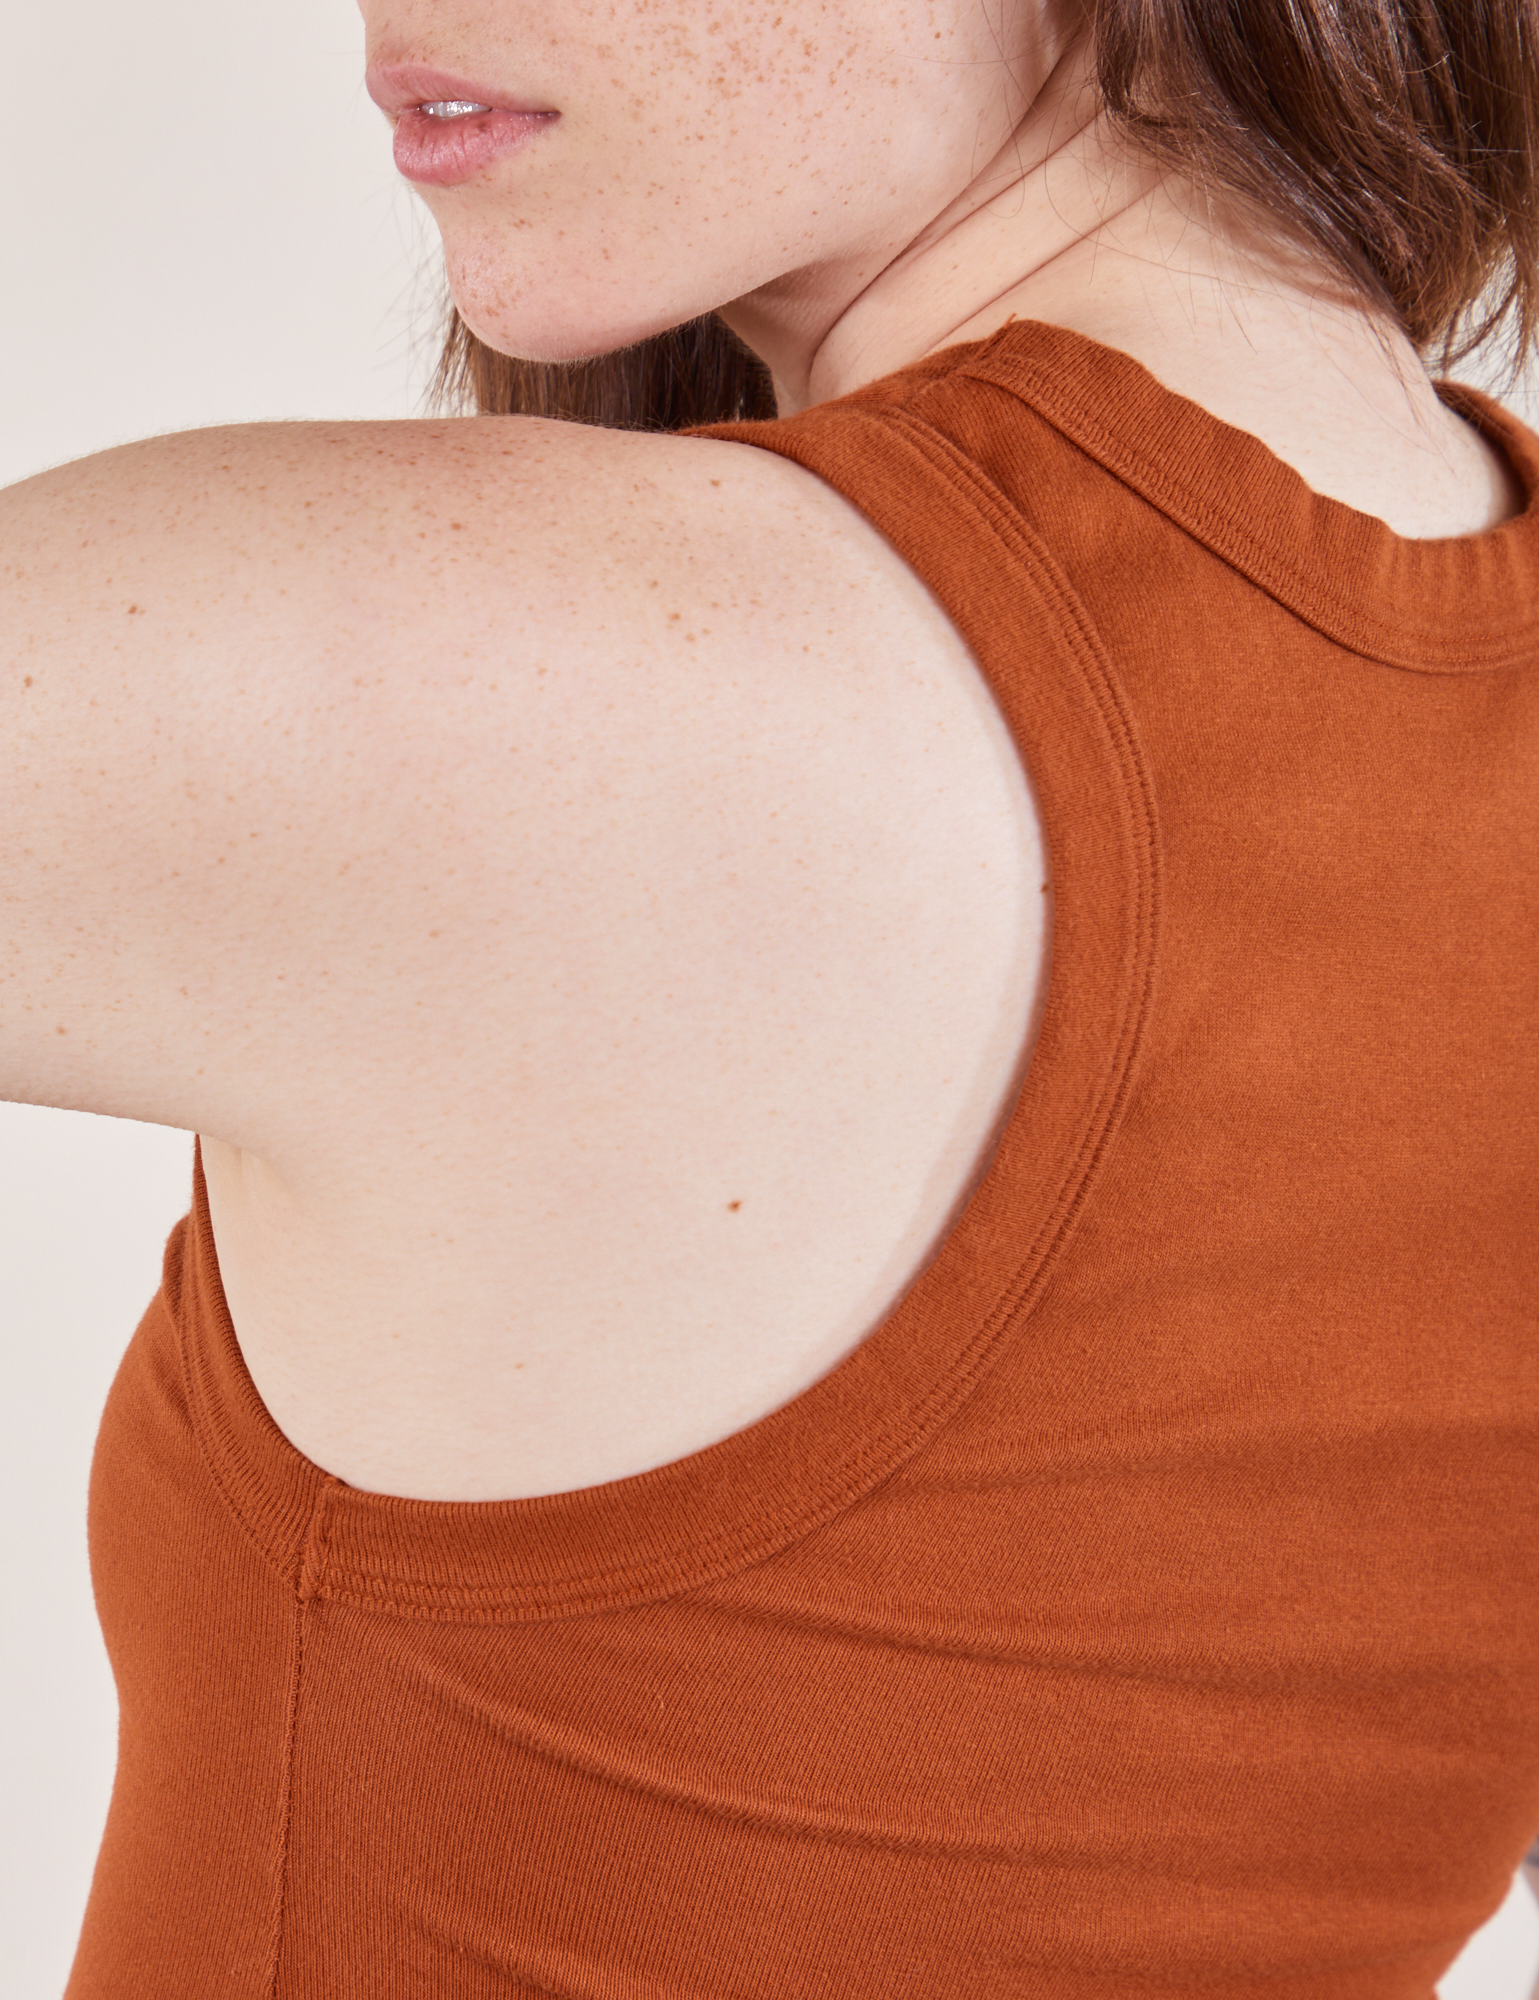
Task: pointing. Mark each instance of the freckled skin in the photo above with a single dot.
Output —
(707, 152)
(441, 817)
(854, 184)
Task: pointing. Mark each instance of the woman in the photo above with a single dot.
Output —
(858, 1316)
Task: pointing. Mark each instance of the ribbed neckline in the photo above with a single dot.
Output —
(716, 1511)
(1464, 604)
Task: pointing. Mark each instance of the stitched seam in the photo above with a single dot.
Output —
(1068, 618)
(201, 1424)
(311, 1562)
(1227, 537)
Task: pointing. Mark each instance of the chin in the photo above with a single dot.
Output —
(551, 319)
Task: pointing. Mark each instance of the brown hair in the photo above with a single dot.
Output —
(1395, 140)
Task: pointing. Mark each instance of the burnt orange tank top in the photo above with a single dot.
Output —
(1150, 1604)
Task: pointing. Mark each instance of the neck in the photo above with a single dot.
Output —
(1070, 225)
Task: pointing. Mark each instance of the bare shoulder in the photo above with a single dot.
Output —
(335, 544)
(317, 733)
(542, 512)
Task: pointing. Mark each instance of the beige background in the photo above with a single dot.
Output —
(201, 226)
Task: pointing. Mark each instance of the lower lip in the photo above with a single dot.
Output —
(439, 152)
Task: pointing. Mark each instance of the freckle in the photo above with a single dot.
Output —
(28, 681)
(132, 609)
(456, 524)
(730, 1204)
(61, 1031)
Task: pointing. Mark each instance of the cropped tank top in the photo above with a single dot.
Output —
(1150, 1603)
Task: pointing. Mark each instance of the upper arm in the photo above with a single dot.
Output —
(323, 747)
(271, 698)
(119, 655)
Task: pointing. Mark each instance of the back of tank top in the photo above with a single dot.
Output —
(1151, 1602)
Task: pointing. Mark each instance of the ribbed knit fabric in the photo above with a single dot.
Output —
(1150, 1604)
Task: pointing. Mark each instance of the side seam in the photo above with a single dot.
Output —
(311, 1567)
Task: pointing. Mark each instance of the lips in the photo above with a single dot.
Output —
(442, 151)
(401, 86)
